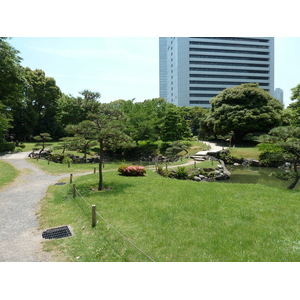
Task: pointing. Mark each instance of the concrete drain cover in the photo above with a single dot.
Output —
(57, 233)
(60, 183)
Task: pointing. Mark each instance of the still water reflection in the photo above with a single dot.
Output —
(266, 176)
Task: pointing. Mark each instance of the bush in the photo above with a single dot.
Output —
(57, 158)
(132, 170)
(271, 155)
(181, 173)
(7, 147)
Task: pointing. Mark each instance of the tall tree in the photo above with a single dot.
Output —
(294, 107)
(12, 83)
(244, 109)
(174, 126)
(107, 127)
(4, 122)
(195, 116)
(73, 110)
(11, 75)
(144, 118)
(42, 95)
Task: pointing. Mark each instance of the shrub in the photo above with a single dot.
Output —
(132, 170)
(67, 160)
(7, 147)
(181, 173)
(271, 155)
(55, 157)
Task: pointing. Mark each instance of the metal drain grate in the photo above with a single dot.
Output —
(60, 183)
(57, 233)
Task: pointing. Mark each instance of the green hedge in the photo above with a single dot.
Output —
(7, 147)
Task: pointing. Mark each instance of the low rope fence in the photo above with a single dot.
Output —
(94, 222)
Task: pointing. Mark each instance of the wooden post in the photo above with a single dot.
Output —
(95, 170)
(94, 219)
(74, 190)
(71, 178)
(194, 164)
(48, 162)
(68, 164)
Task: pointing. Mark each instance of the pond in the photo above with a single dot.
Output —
(266, 176)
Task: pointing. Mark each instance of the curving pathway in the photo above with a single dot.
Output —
(213, 148)
(20, 236)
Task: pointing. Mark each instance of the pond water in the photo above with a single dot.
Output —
(266, 176)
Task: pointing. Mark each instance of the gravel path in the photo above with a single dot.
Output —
(213, 147)
(20, 238)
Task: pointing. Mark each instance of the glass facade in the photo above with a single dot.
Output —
(195, 69)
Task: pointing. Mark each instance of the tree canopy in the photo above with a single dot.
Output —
(107, 127)
(31, 103)
(294, 108)
(244, 109)
(286, 140)
(11, 74)
(174, 126)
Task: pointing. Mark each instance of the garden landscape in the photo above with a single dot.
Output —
(146, 181)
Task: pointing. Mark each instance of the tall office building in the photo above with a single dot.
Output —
(195, 69)
(278, 94)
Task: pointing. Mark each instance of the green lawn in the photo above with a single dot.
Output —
(173, 220)
(56, 168)
(7, 174)
(245, 152)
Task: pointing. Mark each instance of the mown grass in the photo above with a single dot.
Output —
(173, 220)
(7, 174)
(245, 152)
(57, 168)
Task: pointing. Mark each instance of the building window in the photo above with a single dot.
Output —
(229, 83)
(199, 102)
(230, 76)
(230, 51)
(228, 57)
(229, 70)
(229, 45)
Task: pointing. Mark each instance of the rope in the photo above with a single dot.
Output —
(83, 198)
(125, 238)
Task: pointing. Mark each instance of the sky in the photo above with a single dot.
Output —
(124, 63)
(117, 68)
(126, 67)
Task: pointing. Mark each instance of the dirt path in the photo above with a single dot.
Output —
(20, 238)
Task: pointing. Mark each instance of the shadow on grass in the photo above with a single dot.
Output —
(110, 188)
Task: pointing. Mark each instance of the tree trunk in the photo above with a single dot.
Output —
(84, 154)
(100, 185)
(43, 147)
(294, 183)
(297, 175)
